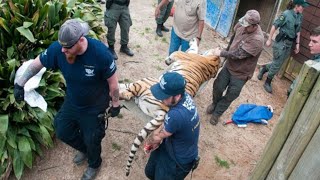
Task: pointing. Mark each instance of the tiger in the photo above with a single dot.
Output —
(195, 68)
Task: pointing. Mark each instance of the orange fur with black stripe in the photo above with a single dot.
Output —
(195, 68)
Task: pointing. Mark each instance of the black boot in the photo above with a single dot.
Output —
(158, 31)
(262, 71)
(267, 85)
(163, 28)
(114, 54)
(124, 49)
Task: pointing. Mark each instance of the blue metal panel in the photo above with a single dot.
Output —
(213, 12)
(220, 15)
(226, 17)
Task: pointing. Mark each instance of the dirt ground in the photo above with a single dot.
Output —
(239, 147)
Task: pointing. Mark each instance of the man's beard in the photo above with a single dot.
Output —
(173, 102)
(70, 58)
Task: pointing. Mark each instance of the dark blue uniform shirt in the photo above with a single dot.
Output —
(86, 78)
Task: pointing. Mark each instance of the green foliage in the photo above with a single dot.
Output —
(27, 27)
(116, 147)
(221, 162)
(164, 40)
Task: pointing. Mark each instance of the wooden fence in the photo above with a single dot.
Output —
(293, 151)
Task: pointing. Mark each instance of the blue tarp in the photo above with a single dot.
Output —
(247, 113)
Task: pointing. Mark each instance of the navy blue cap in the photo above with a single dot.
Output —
(171, 84)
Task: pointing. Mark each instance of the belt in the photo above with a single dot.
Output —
(288, 38)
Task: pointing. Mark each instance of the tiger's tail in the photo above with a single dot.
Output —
(143, 134)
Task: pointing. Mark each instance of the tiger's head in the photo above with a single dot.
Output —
(124, 93)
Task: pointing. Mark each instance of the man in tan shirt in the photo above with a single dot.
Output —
(188, 22)
(242, 58)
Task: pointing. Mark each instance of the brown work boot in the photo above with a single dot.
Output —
(210, 108)
(214, 119)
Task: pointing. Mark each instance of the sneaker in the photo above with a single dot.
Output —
(214, 119)
(210, 109)
(79, 158)
(90, 173)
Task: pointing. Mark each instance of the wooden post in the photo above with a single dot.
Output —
(309, 163)
(305, 82)
(302, 132)
(283, 68)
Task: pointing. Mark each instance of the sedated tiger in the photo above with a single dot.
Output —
(195, 68)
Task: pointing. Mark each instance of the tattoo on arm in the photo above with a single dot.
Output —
(115, 95)
(32, 70)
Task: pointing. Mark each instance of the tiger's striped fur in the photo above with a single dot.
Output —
(195, 68)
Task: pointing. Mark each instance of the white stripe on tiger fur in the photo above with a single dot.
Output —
(196, 69)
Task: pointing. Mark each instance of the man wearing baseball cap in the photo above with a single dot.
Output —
(89, 70)
(241, 61)
(179, 134)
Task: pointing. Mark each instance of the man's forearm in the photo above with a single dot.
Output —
(31, 71)
(114, 90)
(272, 31)
(200, 28)
(235, 54)
(115, 97)
(298, 38)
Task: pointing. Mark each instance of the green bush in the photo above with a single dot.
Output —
(27, 27)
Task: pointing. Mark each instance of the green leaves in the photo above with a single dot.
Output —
(26, 33)
(25, 150)
(17, 164)
(4, 122)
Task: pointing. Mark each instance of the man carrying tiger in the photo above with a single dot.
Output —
(174, 145)
(242, 58)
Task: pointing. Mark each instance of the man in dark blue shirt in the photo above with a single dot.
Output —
(89, 70)
(179, 134)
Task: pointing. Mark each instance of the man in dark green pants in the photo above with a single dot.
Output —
(117, 11)
(164, 14)
(242, 58)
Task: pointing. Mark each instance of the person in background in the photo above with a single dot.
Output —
(241, 61)
(314, 46)
(90, 73)
(163, 16)
(289, 24)
(188, 22)
(117, 11)
(178, 137)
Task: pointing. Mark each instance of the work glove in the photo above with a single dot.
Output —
(18, 92)
(114, 111)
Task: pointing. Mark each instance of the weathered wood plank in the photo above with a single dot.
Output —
(309, 163)
(301, 134)
(305, 82)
